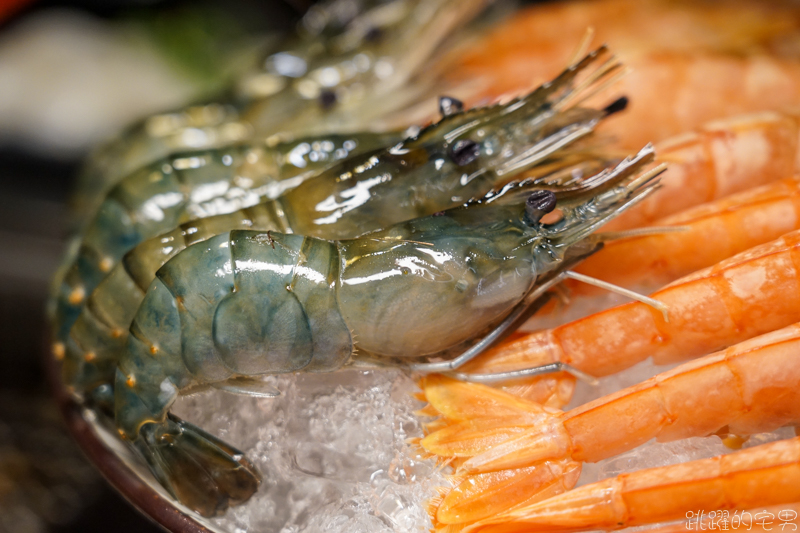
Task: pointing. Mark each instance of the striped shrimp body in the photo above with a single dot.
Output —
(159, 196)
(746, 295)
(765, 475)
(458, 158)
(342, 58)
(755, 391)
(266, 303)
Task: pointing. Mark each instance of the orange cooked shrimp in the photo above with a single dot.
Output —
(711, 233)
(763, 475)
(691, 62)
(719, 159)
(729, 156)
(748, 294)
(708, 234)
(497, 436)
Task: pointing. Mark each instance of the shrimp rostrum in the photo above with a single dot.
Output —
(246, 303)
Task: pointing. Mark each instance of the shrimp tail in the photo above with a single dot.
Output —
(507, 451)
(199, 470)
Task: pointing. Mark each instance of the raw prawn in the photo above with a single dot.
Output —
(460, 157)
(754, 388)
(193, 185)
(748, 294)
(335, 76)
(768, 474)
(266, 303)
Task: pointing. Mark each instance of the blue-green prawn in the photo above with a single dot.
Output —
(247, 303)
(462, 156)
(342, 69)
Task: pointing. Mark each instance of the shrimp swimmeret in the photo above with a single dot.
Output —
(266, 303)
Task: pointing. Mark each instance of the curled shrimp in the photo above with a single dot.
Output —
(327, 78)
(764, 475)
(267, 303)
(458, 158)
(754, 388)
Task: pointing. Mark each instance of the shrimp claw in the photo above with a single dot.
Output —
(197, 468)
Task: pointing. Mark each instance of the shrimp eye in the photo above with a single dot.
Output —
(327, 99)
(373, 35)
(539, 203)
(450, 106)
(464, 152)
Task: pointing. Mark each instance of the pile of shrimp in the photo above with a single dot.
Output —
(715, 85)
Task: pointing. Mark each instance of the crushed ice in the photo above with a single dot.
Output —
(334, 454)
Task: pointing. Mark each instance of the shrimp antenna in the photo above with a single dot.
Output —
(583, 46)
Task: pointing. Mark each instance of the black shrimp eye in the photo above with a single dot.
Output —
(539, 203)
(374, 34)
(450, 106)
(464, 152)
(327, 99)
